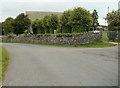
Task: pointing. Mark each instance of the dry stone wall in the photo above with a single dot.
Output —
(87, 37)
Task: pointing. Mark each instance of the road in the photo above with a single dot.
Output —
(36, 65)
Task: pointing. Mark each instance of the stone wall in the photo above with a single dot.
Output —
(87, 37)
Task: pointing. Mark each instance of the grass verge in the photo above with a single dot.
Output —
(4, 60)
(97, 44)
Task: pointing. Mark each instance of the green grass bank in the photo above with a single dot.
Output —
(4, 60)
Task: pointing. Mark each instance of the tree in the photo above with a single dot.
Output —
(21, 23)
(1, 28)
(53, 23)
(81, 20)
(34, 27)
(45, 24)
(37, 26)
(7, 26)
(113, 20)
(95, 19)
(65, 22)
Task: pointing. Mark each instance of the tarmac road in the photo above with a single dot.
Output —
(36, 65)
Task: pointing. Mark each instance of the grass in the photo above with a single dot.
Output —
(4, 60)
(97, 44)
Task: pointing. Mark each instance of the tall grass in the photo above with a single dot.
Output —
(4, 60)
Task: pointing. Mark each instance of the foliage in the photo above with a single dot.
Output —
(38, 35)
(104, 36)
(37, 26)
(52, 23)
(95, 19)
(112, 28)
(68, 34)
(80, 20)
(96, 44)
(21, 23)
(65, 22)
(112, 35)
(113, 20)
(45, 24)
(64, 35)
(71, 21)
(7, 25)
(34, 27)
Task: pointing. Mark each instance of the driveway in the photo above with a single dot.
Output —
(37, 65)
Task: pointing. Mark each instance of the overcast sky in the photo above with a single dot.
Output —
(11, 8)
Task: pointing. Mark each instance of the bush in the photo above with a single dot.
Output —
(113, 28)
(65, 22)
(7, 26)
(24, 35)
(38, 27)
(53, 23)
(112, 35)
(81, 20)
(21, 23)
(11, 35)
(38, 35)
(64, 35)
(45, 24)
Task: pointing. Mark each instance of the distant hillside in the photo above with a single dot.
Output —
(38, 14)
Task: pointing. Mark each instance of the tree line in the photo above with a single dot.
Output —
(113, 20)
(71, 21)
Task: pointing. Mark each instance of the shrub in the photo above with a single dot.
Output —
(21, 23)
(81, 20)
(112, 35)
(37, 26)
(45, 24)
(64, 35)
(65, 22)
(53, 23)
(7, 26)
(38, 35)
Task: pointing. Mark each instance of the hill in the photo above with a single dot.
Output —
(39, 15)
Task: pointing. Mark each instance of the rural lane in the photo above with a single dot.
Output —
(37, 65)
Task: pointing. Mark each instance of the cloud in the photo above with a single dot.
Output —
(59, 0)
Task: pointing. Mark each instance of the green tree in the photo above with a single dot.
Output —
(81, 20)
(21, 23)
(45, 24)
(37, 26)
(113, 20)
(53, 23)
(95, 19)
(65, 22)
(34, 26)
(7, 26)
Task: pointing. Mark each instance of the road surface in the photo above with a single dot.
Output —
(36, 65)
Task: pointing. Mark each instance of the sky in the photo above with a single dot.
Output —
(12, 8)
